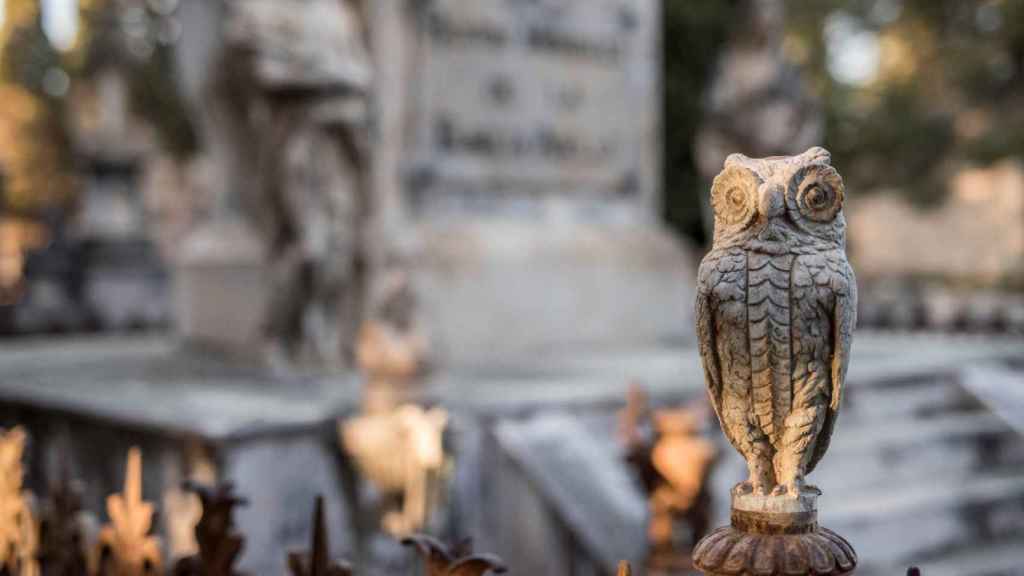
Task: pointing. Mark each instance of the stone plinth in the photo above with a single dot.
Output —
(774, 535)
(494, 292)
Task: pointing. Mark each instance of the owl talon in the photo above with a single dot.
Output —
(780, 490)
(811, 489)
(743, 488)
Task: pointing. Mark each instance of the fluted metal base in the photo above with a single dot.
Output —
(774, 544)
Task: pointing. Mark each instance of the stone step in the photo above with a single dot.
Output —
(1002, 557)
(873, 405)
(853, 440)
(904, 452)
(915, 522)
(907, 451)
(954, 491)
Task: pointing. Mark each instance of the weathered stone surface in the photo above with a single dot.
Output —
(1001, 389)
(776, 309)
(516, 171)
(520, 100)
(221, 288)
(301, 44)
(583, 481)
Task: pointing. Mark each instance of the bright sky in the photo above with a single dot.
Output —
(853, 52)
(60, 21)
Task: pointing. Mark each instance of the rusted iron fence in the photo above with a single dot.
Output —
(50, 538)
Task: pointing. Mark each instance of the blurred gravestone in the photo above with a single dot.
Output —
(566, 485)
(517, 160)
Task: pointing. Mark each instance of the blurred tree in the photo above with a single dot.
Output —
(34, 143)
(36, 150)
(914, 89)
(911, 89)
(139, 39)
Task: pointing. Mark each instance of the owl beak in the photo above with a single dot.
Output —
(770, 201)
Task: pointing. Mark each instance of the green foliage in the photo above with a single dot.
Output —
(156, 97)
(148, 64)
(28, 55)
(948, 91)
(35, 129)
(693, 33)
(36, 140)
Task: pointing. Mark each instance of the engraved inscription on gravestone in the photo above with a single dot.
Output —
(526, 98)
(516, 167)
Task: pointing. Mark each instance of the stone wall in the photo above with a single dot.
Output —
(976, 236)
(516, 173)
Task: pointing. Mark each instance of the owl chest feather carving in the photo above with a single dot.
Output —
(776, 305)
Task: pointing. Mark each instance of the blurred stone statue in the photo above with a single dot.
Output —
(316, 217)
(303, 80)
(392, 348)
(757, 103)
(401, 453)
(673, 459)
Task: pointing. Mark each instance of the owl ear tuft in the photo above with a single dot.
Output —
(817, 155)
(737, 159)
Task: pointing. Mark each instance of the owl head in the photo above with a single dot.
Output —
(779, 204)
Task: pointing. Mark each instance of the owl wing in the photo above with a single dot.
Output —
(705, 314)
(844, 320)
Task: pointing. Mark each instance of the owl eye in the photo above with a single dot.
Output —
(732, 197)
(817, 192)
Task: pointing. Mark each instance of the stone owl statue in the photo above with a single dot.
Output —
(776, 309)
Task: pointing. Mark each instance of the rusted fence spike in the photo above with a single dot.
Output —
(433, 552)
(219, 543)
(125, 547)
(477, 565)
(61, 535)
(18, 530)
(441, 560)
(625, 569)
(317, 561)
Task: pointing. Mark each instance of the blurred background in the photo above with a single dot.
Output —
(435, 260)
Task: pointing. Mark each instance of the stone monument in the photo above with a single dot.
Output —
(776, 309)
(120, 280)
(516, 164)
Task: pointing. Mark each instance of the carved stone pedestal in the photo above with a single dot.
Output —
(774, 535)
